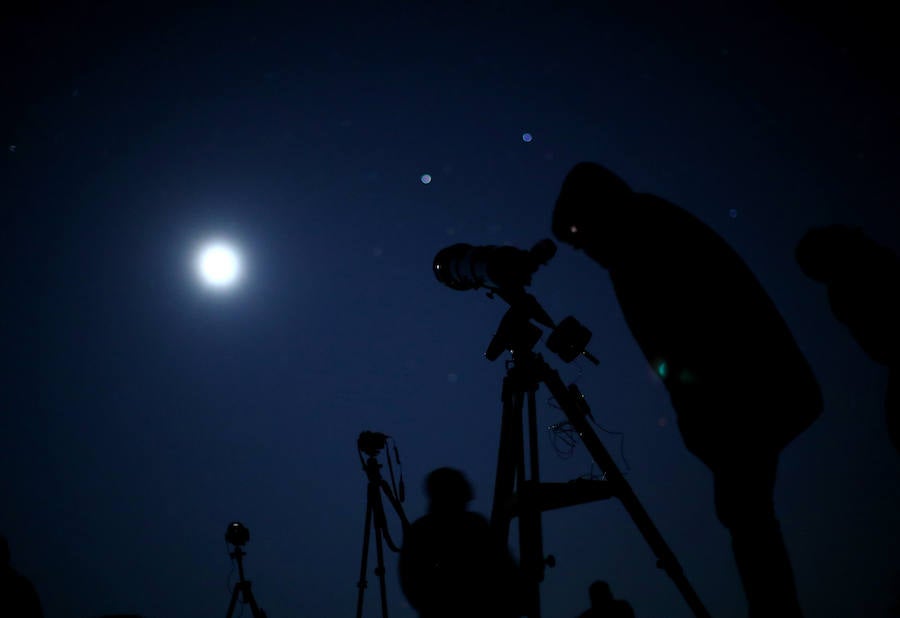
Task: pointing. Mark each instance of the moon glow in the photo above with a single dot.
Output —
(219, 265)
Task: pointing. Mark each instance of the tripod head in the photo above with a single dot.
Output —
(519, 335)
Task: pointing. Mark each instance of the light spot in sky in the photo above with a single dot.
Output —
(527, 137)
(451, 231)
(662, 422)
(426, 178)
(219, 265)
(733, 213)
(452, 378)
(12, 147)
(377, 251)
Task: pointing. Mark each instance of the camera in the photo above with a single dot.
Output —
(237, 534)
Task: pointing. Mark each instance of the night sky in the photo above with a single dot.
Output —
(141, 413)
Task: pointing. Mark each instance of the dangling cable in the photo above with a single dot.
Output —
(565, 428)
(390, 466)
(621, 443)
(401, 495)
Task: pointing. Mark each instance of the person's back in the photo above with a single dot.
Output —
(863, 283)
(740, 386)
(702, 320)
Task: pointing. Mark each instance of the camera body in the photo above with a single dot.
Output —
(237, 534)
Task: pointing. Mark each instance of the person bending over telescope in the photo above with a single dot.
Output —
(451, 564)
(740, 386)
(863, 282)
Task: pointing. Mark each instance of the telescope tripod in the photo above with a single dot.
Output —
(375, 519)
(242, 588)
(516, 495)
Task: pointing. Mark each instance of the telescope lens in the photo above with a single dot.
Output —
(456, 267)
(465, 267)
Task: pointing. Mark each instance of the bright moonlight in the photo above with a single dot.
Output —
(219, 265)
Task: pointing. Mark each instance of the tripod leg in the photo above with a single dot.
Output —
(508, 457)
(379, 571)
(235, 591)
(361, 584)
(510, 481)
(251, 600)
(531, 542)
(665, 557)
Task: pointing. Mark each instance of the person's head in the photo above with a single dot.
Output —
(831, 252)
(447, 490)
(600, 593)
(591, 211)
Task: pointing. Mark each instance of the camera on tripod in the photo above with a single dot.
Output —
(371, 442)
(237, 534)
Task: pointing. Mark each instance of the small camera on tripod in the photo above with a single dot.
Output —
(371, 442)
(237, 534)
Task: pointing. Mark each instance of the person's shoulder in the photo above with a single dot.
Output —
(665, 214)
(622, 609)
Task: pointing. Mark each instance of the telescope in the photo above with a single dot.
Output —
(498, 268)
(505, 271)
(518, 491)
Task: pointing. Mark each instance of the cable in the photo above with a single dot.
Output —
(621, 444)
(568, 431)
(562, 432)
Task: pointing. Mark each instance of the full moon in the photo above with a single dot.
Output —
(218, 265)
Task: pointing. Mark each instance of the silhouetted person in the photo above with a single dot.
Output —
(740, 386)
(603, 605)
(863, 282)
(17, 594)
(451, 564)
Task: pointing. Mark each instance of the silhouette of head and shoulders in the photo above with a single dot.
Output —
(863, 283)
(15, 589)
(603, 605)
(450, 561)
